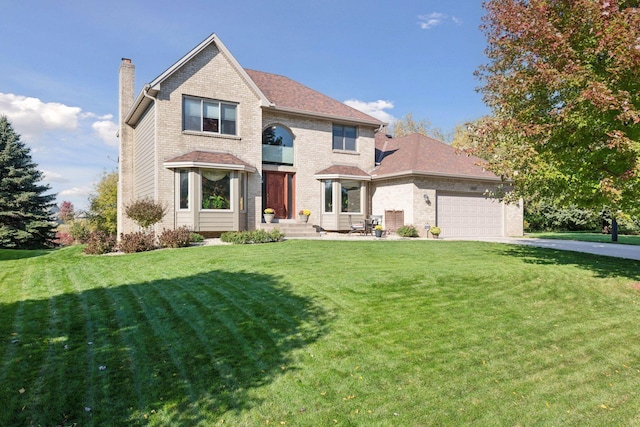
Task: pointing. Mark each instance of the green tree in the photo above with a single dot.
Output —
(407, 126)
(25, 218)
(103, 203)
(563, 83)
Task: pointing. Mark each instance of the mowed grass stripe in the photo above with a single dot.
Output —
(366, 333)
(60, 391)
(23, 377)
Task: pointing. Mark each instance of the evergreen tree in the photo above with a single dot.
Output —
(25, 219)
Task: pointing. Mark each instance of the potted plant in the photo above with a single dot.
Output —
(435, 231)
(304, 215)
(269, 213)
(378, 230)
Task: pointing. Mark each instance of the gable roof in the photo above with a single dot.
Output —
(274, 91)
(288, 95)
(417, 154)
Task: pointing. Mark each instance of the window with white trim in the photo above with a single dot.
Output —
(215, 189)
(350, 194)
(205, 115)
(184, 189)
(328, 196)
(344, 137)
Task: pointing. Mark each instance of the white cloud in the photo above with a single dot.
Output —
(375, 109)
(426, 22)
(430, 20)
(51, 176)
(69, 145)
(95, 116)
(106, 130)
(75, 192)
(33, 117)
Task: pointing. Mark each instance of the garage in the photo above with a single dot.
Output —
(468, 215)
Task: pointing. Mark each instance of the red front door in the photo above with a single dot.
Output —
(278, 193)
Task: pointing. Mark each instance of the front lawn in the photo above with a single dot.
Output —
(626, 239)
(319, 333)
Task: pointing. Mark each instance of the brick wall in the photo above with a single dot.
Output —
(208, 75)
(313, 152)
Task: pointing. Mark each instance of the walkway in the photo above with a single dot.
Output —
(607, 249)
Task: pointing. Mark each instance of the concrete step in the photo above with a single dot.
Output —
(292, 228)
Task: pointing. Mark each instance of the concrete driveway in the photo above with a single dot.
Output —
(606, 249)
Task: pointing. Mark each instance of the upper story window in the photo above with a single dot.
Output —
(205, 115)
(277, 145)
(344, 137)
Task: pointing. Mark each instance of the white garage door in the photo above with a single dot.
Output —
(468, 215)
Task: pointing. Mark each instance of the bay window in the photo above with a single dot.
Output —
(215, 189)
(184, 189)
(328, 196)
(350, 196)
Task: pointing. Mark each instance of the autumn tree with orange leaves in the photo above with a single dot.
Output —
(563, 84)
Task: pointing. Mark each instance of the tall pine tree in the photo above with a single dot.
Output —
(25, 219)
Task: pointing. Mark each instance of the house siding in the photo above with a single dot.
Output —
(144, 156)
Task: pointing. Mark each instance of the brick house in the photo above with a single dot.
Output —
(217, 143)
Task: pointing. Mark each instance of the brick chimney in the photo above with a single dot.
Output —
(125, 158)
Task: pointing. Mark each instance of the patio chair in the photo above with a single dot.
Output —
(356, 228)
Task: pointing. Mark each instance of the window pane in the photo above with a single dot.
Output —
(328, 196)
(192, 114)
(211, 117)
(216, 189)
(338, 137)
(350, 196)
(277, 145)
(228, 119)
(350, 138)
(184, 189)
(243, 190)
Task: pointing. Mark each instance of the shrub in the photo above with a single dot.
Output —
(100, 243)
(252, 236)
(196, 238)
(407, 231)
(145, 212)
(63, 239)
(80, 230)
(178, 238)
(435, 231)
(139, 241)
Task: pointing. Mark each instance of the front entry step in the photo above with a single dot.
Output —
(292, 229)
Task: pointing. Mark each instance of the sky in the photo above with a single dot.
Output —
(59, 64)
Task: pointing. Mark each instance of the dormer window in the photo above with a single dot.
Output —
(205, 115)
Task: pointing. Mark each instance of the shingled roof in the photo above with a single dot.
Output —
(289, 95)
(418, 154)
(342, 171)
(209, 159)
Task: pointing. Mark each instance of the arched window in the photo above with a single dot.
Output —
(277, 145)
